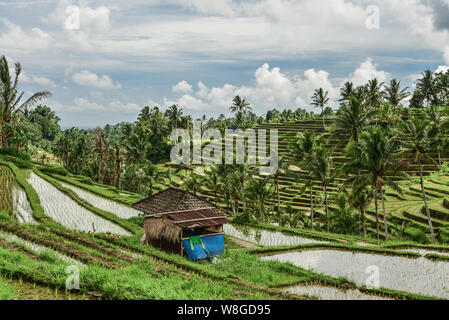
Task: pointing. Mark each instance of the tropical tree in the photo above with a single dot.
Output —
(174, 113)
(393, 93)
(425, 86)
(346, 91)
(414, 134)
(439, 123)
(152, 176)
(259, 190)
(10, 99)
(239, 107)
(117, 158)
(360, 198)
(136, 147)
(374, 161)
(282, 168)
(352, 118)
(302, 153)
(320, 99)
(321, 169)
(374, 94)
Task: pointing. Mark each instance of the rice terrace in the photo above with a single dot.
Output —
(321, 177)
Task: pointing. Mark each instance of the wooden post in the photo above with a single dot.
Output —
(182, 246)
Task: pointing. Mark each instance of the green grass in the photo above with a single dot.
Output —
(6, 291)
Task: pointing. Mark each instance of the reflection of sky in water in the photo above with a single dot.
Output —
(420, 276)
(264, 237)
(330, 293)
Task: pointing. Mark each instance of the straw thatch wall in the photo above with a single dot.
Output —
(160, 229)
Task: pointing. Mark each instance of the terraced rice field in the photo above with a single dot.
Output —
(13, 199)
(265, 238)
(419, 276)
(36, 248)
(330, 293)
(67, 212)
(119, 210)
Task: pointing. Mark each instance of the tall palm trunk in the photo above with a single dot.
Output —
(384, 213)
(425, 202)
(439, 157)
(324, 122)
(326, 207)
(1, 132)
(311, 205)
(377, 213)
(117, 173)
(362, 212)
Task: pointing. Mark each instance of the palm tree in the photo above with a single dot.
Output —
(439, 124)
(393, 93)
(374, 94)
(321, 169)
(352, 119)
(426, 86)
(320, 99)
(283, 166)
(136, 147)
(302, 152)
(174, 113)
(346, 91)
(244, 173)
(117, 158)
(388, 116)
(239, 107)
(213, 181)
(10, 99)
(373, 162)
(101, 148)
(259, 191)
(414, 134)
(153, 176)
(360, 199)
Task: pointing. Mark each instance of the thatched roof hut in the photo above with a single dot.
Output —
(174, 216)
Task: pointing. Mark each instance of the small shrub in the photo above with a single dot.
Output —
(54, 169)
(15, 153)
(415, 234)
(444, 235)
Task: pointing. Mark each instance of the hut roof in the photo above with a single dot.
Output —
(182, 209)
(173, 200)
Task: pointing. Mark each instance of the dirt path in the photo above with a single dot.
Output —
(243, 243)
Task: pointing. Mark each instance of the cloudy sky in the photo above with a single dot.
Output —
(103, 60)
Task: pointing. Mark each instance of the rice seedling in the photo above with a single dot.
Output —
(6, 291)
(331, 293)
(68, 213)
(264, 237)
(13, 199)
(120, 210)
(420, 276)
(37, 249)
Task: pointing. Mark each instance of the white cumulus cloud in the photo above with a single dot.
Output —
(87, 78)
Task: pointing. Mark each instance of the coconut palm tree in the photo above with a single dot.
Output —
(414, 134)
(174, 113)
(259, 190)
(393, 93)
(320, 99)
(239, 107)
(136, 147)
(117, 158)
(283, 166)
(153, 176)
(439, 123)
(388, 116)
(302, 153)
(425, 86)
(352, 119)
(373, 163)
(360, 199)
(321, 169)
(374, 94)
(346, 92)
(10, 99)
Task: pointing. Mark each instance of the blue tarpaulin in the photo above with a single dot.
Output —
(198, 248)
